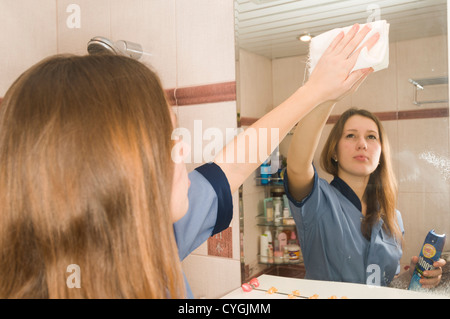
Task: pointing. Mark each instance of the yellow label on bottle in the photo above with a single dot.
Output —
(428, 251)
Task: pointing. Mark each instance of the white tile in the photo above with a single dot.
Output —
(28, 35)
(95, 20)
(418, 59)
(152, 25)
(205, 42)
(391, 129)
(288, 75)
(420, 143)
(422, 212)
(198, 119)
(212, 277)
(235, 224)
(255, 85)
(378, 93)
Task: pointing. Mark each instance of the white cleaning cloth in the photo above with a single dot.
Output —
(377, 58)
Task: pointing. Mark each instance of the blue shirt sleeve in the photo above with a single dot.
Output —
(307, 211)
(210, 208)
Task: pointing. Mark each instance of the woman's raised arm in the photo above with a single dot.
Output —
(330, 81)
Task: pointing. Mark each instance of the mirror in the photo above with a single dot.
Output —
(410, 97)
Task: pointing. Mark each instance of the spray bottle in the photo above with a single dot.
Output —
(430, 253)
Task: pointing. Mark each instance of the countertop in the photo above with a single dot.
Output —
(323, 290)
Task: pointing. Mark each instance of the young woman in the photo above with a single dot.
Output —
(87, 176)
(349, 229)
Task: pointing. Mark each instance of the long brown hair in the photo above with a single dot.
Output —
(85, 179)
(381, 192)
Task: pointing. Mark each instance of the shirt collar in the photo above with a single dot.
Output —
(346, 190)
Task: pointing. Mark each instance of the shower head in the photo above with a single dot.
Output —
(99, 45)
(102, 45)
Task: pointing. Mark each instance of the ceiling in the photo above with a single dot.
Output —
(271, 27)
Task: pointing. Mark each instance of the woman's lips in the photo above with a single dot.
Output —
(361, 158)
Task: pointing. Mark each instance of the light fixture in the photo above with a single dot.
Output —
(305, 37)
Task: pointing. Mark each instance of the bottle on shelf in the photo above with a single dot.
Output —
(293, 249)
(268, 210)
(264, 248)
(265, 172)
(269, 247)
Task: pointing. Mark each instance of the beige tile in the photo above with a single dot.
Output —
(95, 20)
(343, 105)
(205, 42)
(288, 75)
(422, 212)
(235, 224)
(251, 185)
(197, 119)
(152, 24)
(391, 129)
(28, 35)
(253, 207)
(255, 84)
(420, 140)
(418, 59)
(212, 277)
(378, 93)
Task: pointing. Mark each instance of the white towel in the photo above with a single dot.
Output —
(377, 58)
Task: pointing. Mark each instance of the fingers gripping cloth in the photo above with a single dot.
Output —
(377, 58)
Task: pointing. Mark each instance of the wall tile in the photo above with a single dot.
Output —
(212, 277)
(378, 93)
(205, 42)
(418, 59)
(418, 140)
(95, 20)
(252, 207)
(28, 35)
(391, 129)
(420, 214)
(255, 83)
(288, 75)
(197, 119)
(152, 24)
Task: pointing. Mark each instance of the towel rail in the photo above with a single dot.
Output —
(420, 85)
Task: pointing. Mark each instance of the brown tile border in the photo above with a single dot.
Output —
(211, 93)
(423, 114)
(170, 96)
(383, 116)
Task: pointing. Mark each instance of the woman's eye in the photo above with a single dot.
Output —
(372, 137)
(350, 136)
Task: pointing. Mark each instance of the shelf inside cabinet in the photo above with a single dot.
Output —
(284, 223)
(283, 263)
(269, 181)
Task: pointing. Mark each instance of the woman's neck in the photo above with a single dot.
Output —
(357, 183)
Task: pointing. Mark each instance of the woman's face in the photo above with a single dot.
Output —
(179, 202)
(359, 149)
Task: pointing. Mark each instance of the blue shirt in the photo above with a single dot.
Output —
(210, 210)
(328, 222)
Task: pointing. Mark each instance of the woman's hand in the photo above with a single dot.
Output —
(431, 278)
(331, 79)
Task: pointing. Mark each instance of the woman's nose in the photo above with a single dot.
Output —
(361, 144)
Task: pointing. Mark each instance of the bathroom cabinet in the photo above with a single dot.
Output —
(279, 263)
